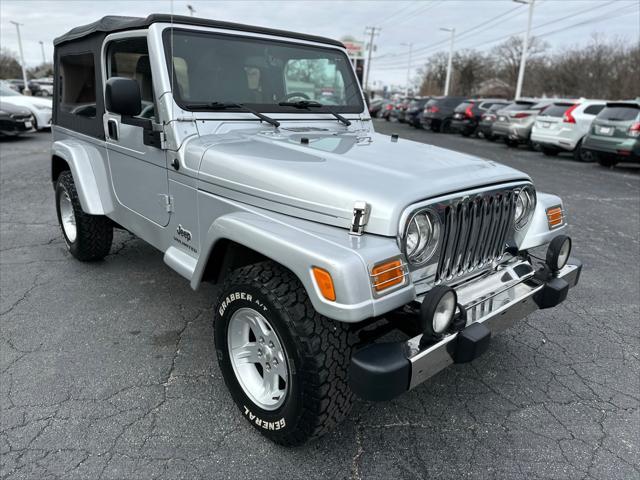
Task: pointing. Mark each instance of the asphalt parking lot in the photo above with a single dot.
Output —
(108, 371)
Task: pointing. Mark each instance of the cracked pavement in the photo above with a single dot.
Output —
(108, 370)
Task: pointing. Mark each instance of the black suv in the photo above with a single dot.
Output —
(467, 115)
(438, 113)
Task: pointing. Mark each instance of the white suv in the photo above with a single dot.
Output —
(563, 125)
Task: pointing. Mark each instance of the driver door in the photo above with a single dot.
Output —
(137, 164)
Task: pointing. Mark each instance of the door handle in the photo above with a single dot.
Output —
(112, 129)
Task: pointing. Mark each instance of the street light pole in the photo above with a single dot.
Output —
(447, 82)
(26, 90)
(44, 58)
(410, 45)
(373, 31)
(525, 47)
(191, 10)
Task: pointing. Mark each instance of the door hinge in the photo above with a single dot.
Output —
(167, 202)
(163, 141)
(361, 212)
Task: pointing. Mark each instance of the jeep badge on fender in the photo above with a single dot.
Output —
(277, 187)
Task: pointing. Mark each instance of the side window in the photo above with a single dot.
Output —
(78, 92)
(130, 59)
(593, 109)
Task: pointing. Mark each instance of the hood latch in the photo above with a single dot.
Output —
(361, 212)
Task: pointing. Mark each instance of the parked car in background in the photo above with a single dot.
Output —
(414, 111)
(467, 115)
(375, 106)
(487, 119)
(17, 84)
(400, 111)
(46, 86)
(563, 125)
(615, 134)
(14, 120)
(385, 111)
(514, 123)
(438, 113)
(40, 108)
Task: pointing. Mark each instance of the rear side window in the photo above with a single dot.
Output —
(78, 85)
(516, 107)
(619, 113)
(556, 110)
(593, 109)
(498, 106)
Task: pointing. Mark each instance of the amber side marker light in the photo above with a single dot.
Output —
(325, 283)
(555, 217)
(387, 274)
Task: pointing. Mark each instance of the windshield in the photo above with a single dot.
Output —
(8, 92)
(259, 73)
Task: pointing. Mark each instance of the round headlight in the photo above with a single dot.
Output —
(525, 206)
(421, 239)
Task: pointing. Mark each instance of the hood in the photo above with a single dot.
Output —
(322, 179)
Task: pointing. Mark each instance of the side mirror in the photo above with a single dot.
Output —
(122, 95)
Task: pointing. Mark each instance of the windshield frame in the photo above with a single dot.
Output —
(358, 107)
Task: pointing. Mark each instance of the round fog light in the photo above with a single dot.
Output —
(558, 252)
(437, 310)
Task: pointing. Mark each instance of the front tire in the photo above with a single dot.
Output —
(88, 237)
(263, 314)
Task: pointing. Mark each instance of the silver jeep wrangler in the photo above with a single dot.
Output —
(247, 156)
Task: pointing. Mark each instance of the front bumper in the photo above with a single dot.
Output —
(492, 303)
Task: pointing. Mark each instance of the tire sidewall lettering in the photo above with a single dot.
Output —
(231, 300)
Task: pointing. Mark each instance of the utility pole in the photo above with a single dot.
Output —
(525, 47)
(372, 31)
(191, 10)
(410, 45)
(447, 82)
(26, 90)
(44, 58)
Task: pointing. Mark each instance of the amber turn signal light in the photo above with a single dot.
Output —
(325, 283)
(386, 275)
(555, 218)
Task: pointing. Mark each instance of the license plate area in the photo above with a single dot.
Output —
(605, 130)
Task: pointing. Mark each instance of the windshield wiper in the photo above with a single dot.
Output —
(229, 105)
(312, 104)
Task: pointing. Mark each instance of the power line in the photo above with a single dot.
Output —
(425, 56)
(545, 34)
(462, 34)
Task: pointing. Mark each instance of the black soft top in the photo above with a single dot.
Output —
(115, 23)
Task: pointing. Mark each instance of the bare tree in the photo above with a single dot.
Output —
(9, 65)
(508, 54)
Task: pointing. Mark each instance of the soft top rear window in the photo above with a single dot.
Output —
(556, 110)
(620, 113)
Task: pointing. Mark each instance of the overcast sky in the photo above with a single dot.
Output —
(478, 23)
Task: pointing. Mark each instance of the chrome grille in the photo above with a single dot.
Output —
(475, 233)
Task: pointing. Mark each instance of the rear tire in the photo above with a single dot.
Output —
(315, 396)
(511, 143)
(445, 126)
(88, 237)
(582, 155)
